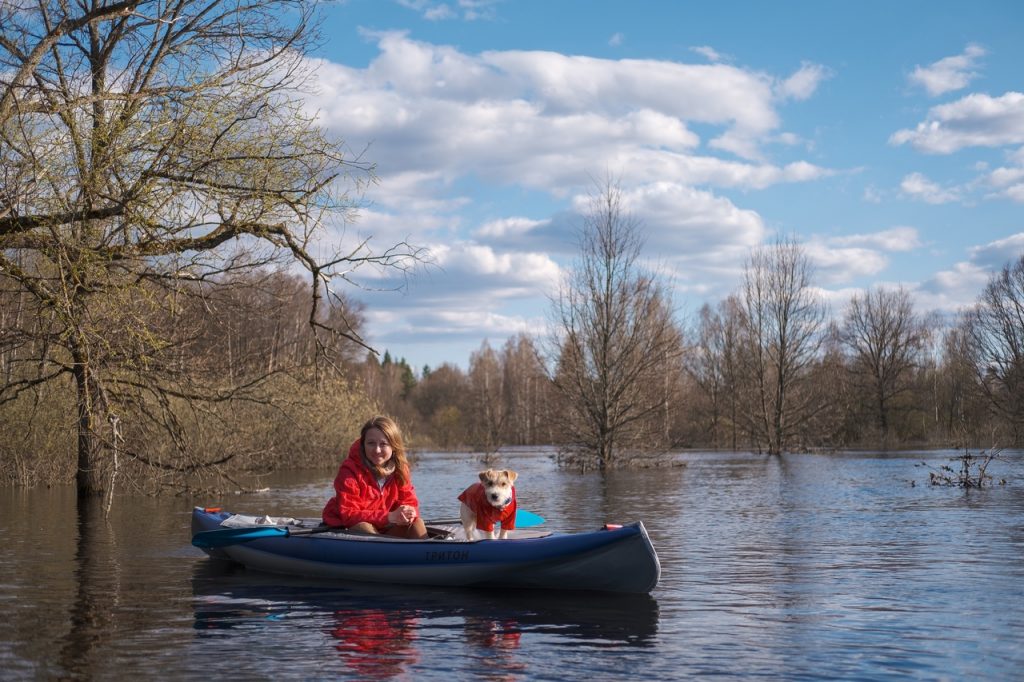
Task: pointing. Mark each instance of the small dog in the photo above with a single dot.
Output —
(491, 500)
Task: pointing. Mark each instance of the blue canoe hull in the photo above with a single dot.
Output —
(616, 559)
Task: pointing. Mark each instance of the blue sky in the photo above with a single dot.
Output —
(888, 137)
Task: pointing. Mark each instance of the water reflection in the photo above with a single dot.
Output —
(385, 631)
(375, 643)
(97, 582)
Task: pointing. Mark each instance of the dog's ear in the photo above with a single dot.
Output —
(512, 476)
(485, 475)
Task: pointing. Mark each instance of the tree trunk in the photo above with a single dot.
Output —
(89, 478)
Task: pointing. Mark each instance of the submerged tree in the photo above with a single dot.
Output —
(971, 472)
(527, 391)
(150, 152)
(713, 365)
(995, 332)
(783, 327)
(885, 340)
(619, 344)
(960, 409)
(489, 411)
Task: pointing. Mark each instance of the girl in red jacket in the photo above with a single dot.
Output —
(373, 492)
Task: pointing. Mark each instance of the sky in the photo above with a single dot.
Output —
(886, 137)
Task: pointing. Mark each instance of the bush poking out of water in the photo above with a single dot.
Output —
(969, 470)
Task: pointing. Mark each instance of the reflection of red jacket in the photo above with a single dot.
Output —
(357, 497)
(487, 514)
(377, 644)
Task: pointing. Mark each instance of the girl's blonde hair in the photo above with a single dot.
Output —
(390, 429)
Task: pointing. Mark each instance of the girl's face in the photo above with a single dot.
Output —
(376, 446)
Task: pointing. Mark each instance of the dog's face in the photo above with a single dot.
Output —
(498, 486)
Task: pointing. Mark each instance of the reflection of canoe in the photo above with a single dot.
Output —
(227, 596)
(614, 559)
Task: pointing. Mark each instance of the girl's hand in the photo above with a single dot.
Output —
(402, 516)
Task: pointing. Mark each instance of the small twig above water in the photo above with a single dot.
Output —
(971, 472)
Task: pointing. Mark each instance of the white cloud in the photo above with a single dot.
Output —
(469, 10)
(996, 254)
(838, 264)
(950, 73)
(516, 271)
(687, 224)
(1003, 177)
(646, 165)
(917, 186)
(901, 238)
(838, 299)
(871, 195)
(699, 237)
(438, 331)
(1014, 193)
(959, 286)
(508, 227)
(427, 97)
(715, 94)
(802, 84)
(976, 120)
(710, 53)
(616, 40)
(459, 268)
(439, 13)
(841, 259)
(1008, 181)
(953, 289)
(680, 223)
(462, 299)
(429, 115)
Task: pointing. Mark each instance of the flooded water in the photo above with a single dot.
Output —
(800, 567)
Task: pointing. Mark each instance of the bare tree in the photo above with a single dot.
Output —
(617, 336)
(995, 328)
(489, 411)
(960, 410)
(527, 392)
(784, 320)
(885, 340)
(150, 150)
(713, 365)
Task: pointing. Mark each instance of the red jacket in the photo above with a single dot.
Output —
(487, 514)
(357, 497)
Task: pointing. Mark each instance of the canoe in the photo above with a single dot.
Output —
(612, 559)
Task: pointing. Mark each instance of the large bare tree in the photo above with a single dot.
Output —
(885, 340)
(617, 337)
(150, 151)
(995, 331)
(784, 324)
